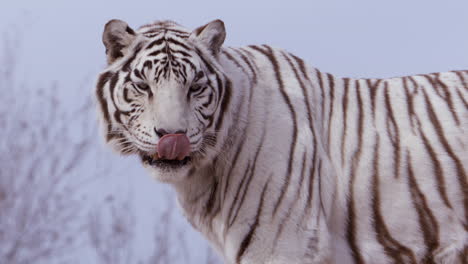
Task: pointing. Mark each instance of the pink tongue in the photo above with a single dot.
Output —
(173, 146)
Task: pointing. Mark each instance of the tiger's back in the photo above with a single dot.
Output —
(392, 152)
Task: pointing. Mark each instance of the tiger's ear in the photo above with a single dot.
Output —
(117, 37)
(212, 35)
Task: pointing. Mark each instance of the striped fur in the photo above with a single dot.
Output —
(293, 165)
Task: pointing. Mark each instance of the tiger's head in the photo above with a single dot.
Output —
(163, 94)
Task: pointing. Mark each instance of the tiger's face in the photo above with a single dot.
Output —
(160, 93)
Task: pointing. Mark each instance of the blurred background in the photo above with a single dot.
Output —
(66, 198)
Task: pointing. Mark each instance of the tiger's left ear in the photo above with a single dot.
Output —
(212, 35)
(117, 37)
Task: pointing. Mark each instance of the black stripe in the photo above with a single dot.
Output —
(331, 85)
(300, 62)
(156, 31)
(178, 33)
(427, 221)
(189, 63)
(231, 58)
(234, 163)
(239, 148)
(249, 64)
(310, 193)
(319, 174)
(295, 201)
(211, 200)
(181, 52)
(125, 96)
(152, 35)
(322, 92)
(393, 132)
(460, 96)
(226, 89)
(250, 177)
(351, 229)
(205, 62)
(103, 79)
(409, 103)
(155, 43)
(373, 87)
(126, 66)
(227, 94)
(392, 248)
(462, 78)
(307, 100)
(437, 169)
(269, 54)
(304, 92)
(210, 117)
(442, 90)
(360, 116)
(236, 197)
(112, 84)
(345, 119)
(248, 238)
(461, 175)
(155, 53)
(209, 101)
(178, 43)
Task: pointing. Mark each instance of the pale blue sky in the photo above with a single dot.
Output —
(353, 38)
(61, 41)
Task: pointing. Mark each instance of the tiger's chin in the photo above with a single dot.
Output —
(167, 170)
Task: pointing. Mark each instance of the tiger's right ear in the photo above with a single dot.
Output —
(117, 37)
(212, 35)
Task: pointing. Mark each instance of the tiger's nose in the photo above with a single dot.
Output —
(161, 132)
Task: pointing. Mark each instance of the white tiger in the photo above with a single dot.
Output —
(276, 162)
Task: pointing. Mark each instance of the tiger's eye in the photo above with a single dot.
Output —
(142, 86)
(195, 87)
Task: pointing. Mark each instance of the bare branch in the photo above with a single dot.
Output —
(111, 231)
(40, 213)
